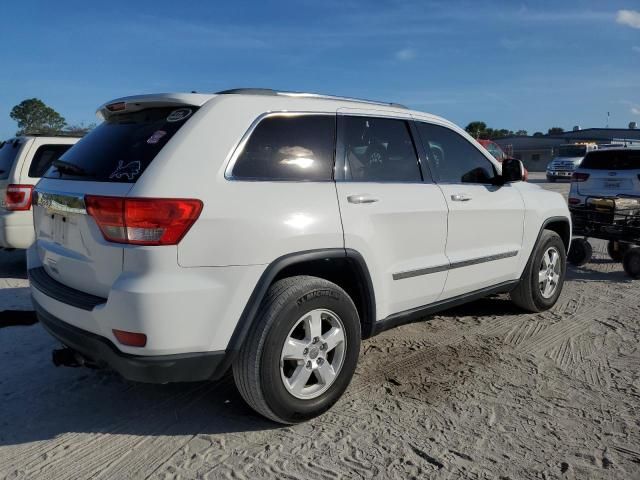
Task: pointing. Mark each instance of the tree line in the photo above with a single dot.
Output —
(34, 117)
(478, 129)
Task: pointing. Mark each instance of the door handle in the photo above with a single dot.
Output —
(361, 198)
(460, 197)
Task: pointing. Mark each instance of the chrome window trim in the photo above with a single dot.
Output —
(60, 202)
(239, 148)
(454, 265)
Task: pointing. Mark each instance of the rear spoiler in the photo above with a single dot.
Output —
(140, 102)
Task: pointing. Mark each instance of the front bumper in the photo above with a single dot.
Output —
(559, 174)
(184, 367)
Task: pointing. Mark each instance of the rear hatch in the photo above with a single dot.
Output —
(78, 203)
(9, 152)
(610, 173)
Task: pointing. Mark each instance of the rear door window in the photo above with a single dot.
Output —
(612, 160)
(123, 146)
(43, 158)
(8, 153)
(284, 147)
(378, 150)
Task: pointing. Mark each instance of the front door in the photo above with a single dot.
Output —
(486, 221)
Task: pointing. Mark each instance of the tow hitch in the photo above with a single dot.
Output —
(67, 357)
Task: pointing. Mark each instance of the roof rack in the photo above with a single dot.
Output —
(271, 92)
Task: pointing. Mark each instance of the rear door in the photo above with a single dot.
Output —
(393, 217)
(485, 222)
(107, 162)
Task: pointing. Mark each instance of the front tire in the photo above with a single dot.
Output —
(543, 278)
(300, 356)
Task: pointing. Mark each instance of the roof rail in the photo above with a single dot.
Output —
(271, 92)
(59, 134)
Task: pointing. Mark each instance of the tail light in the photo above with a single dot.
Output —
(579, 177)
(18, 197)
(131, 339)
(143, 221)
(574, 201)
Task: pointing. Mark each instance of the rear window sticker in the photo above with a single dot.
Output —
(130, 170)
(155, 138)
(179, 115)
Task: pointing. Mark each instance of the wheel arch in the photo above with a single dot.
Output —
(559, 225)
(344, 267)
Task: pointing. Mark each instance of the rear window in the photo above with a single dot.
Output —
(612, 160)
(43, 158)
(295, 148)
(122, 147)
(8, 153)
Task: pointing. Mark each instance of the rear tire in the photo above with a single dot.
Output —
(580, 252)
(616, 250)
(543, 277)
(631, 262)
(291, 386)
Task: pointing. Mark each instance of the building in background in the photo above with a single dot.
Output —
(537, 152)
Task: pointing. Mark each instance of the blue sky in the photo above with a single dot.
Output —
(517, 65)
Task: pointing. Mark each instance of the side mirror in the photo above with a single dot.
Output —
(513, 171)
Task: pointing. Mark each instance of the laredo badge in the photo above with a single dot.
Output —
(130, 170)
(179, 115)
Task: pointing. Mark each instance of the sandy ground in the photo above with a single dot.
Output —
(483, 391)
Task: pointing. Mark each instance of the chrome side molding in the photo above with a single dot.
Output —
(451, 266)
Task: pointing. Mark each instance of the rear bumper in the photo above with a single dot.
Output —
(185, 367)
(16, 230)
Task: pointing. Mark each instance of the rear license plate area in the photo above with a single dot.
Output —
(59, 228)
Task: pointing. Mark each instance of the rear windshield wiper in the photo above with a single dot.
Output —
(68, 167)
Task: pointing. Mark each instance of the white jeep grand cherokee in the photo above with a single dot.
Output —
(270, 232)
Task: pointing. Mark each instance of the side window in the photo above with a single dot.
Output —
(452, 158)
(378, 150)
(44, 157)
(299, 147)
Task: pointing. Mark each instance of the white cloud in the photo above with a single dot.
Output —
(630, 18)
(635, 110)
(406, 54)
(636, 48)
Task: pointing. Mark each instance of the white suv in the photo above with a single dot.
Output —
(23, 160)
(270, 232)
(605, 203)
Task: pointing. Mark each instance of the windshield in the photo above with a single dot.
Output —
(122, 147)
(612, 160)
(8, 153)
(572, 151)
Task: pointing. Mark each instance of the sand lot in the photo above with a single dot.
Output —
(482, 391)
